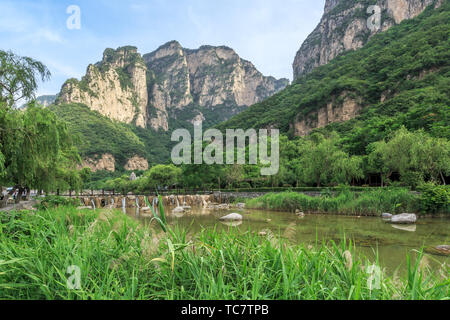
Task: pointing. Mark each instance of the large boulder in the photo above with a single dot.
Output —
(404, 218)
(232, 217)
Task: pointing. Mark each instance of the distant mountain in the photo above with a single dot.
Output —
(44, 100)
(400, 77)
(145, 97)
(343, 27)
(154, 90)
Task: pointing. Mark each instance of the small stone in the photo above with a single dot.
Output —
(386, 215)
(240, 205)
(146, 210)
(178, 210)
(232, 217)
(299, 214)
(444, 249)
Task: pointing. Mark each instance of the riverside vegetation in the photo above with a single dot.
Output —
(122, 259)
(432, 200)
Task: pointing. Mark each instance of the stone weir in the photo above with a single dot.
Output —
(135, 201)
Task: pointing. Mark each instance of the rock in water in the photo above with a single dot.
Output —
(386, 216)
(299, 214)
(146, 210)
(240, 205)
(178, 210)
(444, 249)
(404, 218)
(232, 217)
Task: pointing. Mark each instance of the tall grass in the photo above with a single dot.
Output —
(374, 202)
(122, 259)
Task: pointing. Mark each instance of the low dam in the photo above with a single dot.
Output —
(138, 201)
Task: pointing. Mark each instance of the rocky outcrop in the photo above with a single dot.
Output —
(344, 26)
(115, 87)
(104, 162)
(342, 109)
(148, 91)
(206, 77)
(136, 163)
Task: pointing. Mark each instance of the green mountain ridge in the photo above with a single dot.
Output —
(401, 77)
(96, 134)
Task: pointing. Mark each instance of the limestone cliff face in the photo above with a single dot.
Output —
(344, 27)
(115, 87)
(136, 163)
(148, 91)
(107, 162)
(342, 109)
(206, 77)
(100, 162)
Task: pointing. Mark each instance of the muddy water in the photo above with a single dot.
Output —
(371, 236)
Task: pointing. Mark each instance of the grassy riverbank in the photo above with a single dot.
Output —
(120, 258)
(370, 203)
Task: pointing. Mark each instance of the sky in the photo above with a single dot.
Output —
(266, 32)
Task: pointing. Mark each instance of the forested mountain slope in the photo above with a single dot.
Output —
(401, 77)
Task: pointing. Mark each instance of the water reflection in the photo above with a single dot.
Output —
(371, 236)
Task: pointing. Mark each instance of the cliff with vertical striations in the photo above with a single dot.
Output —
(344, 27)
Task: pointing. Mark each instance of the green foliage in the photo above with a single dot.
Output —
(36, 149)
(19, 77)
(158, 177)
(435, 199)
(416, 156)
(374, 202)
(118, 259)
(96, 134)
(408, 64)
(51, 202)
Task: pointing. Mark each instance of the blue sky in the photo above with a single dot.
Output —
(266, 32)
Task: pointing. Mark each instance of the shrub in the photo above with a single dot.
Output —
(435, 198)
(57, 201)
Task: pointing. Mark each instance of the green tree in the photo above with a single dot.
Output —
(35, 147)
(160, 176)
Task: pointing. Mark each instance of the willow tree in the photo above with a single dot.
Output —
(35, 147)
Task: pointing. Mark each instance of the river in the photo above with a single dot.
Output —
(371, 236)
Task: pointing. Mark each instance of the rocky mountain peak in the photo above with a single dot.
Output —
(330, 4)
(151, 89)
(344, 27)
